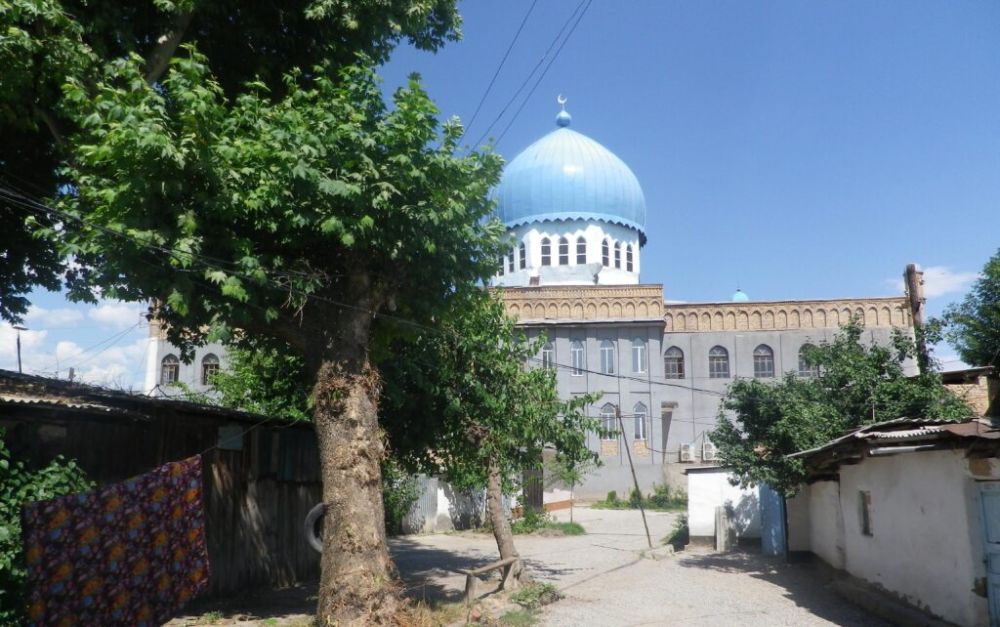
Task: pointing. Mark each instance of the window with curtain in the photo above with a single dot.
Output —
(609, 422)
(607, 357)
(718, 363)
(209, 366)
(170, 370)
(546, 252)
(806, 367)
(578, 357)
(638, 355)
(522, 256)
(581, 251)
(673, 363)
(618, 255)
(763, 362)
(628, 258)
(563, 251)
(549, 355)
(605, 254)
(639, 413)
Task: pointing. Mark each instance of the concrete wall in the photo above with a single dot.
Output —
(927, 541)
(708, 489)
(442, 508)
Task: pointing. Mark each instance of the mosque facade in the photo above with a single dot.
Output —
(576, 215)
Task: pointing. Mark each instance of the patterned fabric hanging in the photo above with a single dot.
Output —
(131, 553)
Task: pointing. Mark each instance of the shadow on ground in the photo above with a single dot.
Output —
(800, 580)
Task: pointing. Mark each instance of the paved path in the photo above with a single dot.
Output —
(606, 582)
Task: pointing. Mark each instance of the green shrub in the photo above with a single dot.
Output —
(535, 595)
(529, 522)
(18, 486)
(635, 498)
(400, 491)
(681, 534)
(663, 498)
(611, 498)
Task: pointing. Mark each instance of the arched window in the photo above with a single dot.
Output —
(638, 355)
(628, 258)
(763, 362)
(209, 366)
(605, 254)
(510, 260)
(578, 357)
(807, 367)
(549, 355)
(618, 254)
(639, 412)
(522, 256)
(546, 252)
(563, 251)
(718, 363)
(673, 363)
(608, 357)
(581, 251)
(609, 422)
(170, 370)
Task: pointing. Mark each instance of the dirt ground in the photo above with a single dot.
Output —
(602, 575)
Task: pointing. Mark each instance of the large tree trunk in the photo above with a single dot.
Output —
(500, 524)
(358, 582)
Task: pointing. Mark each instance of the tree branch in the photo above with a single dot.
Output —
(51, 123)
(166, 45)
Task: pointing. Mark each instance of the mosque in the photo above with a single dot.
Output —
(576, 215)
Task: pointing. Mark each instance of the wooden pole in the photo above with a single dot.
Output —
(635, 481)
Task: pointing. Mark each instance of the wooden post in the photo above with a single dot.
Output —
(914, 280)
(635, 481)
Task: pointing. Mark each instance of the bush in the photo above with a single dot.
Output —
(535, 595)
(612, 497)
(635, 498)
(535, 521)
(680, 535)
(17, 487)
(663, 498)
(400, 491)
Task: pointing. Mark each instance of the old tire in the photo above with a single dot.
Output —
(314, 537)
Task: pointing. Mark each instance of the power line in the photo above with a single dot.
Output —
(542, 75)
(499, 67)
(532, 73)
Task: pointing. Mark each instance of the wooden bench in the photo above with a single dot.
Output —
(509, 565)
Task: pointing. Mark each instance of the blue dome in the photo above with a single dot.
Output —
(740, 296)
(568, 176)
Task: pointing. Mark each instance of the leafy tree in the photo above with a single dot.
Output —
(313, 220)
(760, 423)
(264, 380)
(973, 325)
(568, 473)
(462, 404)
(47, 42)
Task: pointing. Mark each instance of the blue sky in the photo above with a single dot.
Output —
(798, 149)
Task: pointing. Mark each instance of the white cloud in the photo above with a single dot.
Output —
(940, 281)
(31, 341)
(119, 315)
(50, 318)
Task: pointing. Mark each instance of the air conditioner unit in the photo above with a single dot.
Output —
(708, 452)
(687, 453)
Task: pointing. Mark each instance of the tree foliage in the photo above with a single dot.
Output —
(458, 399)
(973, 325)
(265, 380)
(760, 422)
(19, 485)
(47, 43)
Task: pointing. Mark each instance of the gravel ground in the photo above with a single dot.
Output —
(602, 575)
(606, 581)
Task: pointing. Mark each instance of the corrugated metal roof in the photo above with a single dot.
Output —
(910, 430)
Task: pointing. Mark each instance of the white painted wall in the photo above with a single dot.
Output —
(708, 489)
(927, 543)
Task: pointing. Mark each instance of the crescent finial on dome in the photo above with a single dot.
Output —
(564, 118)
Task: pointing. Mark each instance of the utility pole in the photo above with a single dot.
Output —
(19, 329)
(642, 510)
(914, 280)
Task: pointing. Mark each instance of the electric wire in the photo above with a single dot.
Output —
(493, 80)
(531, 74)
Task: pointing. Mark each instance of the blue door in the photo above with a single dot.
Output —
(989, 496)
(772, 521)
